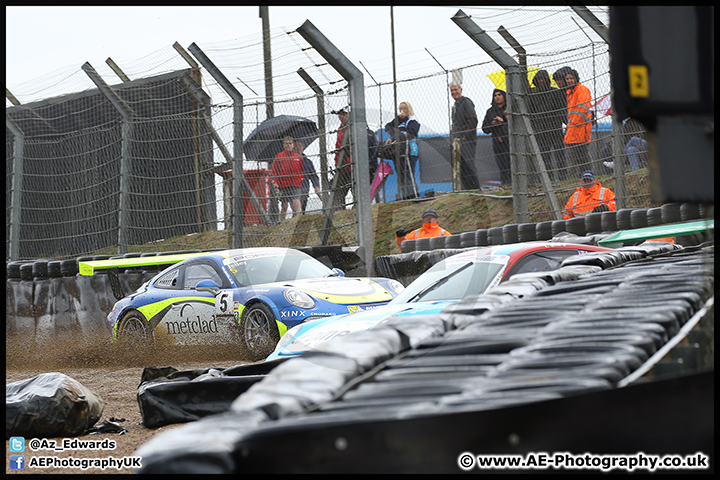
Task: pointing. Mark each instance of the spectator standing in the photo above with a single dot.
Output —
(309, 175)
(589, 197)
(343, 173)
(548, 106)
(464, 128)
(559, 77)
(287, 174)
(429, 228)
(495, 123)
(408, 129)
(579, 123)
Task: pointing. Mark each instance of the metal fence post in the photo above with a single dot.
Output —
(16, 186)
(358, 127)
(127, 115)
(238, 172)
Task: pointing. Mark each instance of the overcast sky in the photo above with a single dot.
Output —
(43, 39)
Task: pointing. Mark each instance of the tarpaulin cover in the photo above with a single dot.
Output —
(50, 405)
(167, 395)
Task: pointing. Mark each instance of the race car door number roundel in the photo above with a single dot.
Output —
(224, 303)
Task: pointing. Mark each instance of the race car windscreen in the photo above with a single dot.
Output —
(450, 281)
(256, 269)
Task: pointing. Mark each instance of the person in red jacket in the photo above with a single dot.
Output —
(588, 198)
(430, 228)
(287, 174)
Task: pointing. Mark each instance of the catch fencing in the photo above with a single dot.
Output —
(176, 148)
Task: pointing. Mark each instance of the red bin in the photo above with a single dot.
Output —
(258, 181)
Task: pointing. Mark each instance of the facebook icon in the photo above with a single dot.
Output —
(17, 462)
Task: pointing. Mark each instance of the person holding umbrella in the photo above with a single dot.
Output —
(287, 174)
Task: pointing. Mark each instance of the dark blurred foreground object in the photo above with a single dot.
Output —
(653, 49)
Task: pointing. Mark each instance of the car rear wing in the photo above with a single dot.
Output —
(657, 231)
(89, 267)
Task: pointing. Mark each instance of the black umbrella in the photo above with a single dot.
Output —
(265, 141)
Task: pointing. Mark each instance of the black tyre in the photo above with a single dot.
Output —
(526, 232)
(133, 332)
(654, 216)
(68, 268)
(510, 233)
(689, 211)
(26, 271)
(422, 244)
(481, 237)
(53, 269)
(623, 218)
(593, 222)
(437, 243)
(452, 241)
(40, 269)
(575, 225)
(543, 230)
(467, 239)
(259, 331)
(495, 235)
(557, 226)
(638, 218)
(407, 246)
(670, 212)
(608, 221)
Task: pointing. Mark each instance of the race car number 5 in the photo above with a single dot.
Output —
(224, 303)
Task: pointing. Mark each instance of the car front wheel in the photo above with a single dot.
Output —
(133, 332)
(259, 331)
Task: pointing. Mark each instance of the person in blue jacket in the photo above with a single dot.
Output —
(408, 129)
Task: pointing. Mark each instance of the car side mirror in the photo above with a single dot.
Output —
(339, 272)
(207, 286)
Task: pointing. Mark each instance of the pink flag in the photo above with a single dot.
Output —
(383, 171)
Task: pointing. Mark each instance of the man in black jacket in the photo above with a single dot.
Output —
(496, 124)
(464, 127)
(548, 106)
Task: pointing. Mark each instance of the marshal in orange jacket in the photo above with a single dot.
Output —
(585, 200)
(426, 231)
(579, 120)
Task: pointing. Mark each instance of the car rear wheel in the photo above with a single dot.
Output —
(134, 332)
(259, 331)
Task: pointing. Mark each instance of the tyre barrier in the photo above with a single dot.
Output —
(638, 218)
(409, 377)
(623, 219)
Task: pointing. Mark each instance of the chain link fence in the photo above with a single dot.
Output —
(120, 165)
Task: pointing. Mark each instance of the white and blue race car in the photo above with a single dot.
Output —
(468, 273)
(251, 295)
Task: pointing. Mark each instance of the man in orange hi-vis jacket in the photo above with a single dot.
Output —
(430, 228)
(579, 123)
(590, 197)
